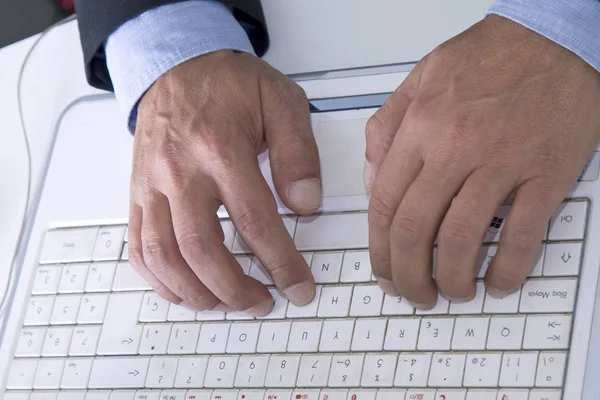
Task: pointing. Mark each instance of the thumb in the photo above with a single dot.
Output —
(383, 125)
(293, 152)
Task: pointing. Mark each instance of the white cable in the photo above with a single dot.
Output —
(14, 268)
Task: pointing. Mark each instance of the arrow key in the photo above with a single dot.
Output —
(119, 372)
(562, 259)
(547, 332)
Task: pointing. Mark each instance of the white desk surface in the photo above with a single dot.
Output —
(306, 36)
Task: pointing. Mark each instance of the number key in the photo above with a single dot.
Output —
(346, 370)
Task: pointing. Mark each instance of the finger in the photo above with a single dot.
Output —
(200, 240)
(463, 230)
(163, 258)
(253, 210)
(136, 257)
(414, 229)
(521, 237)
(384, 124)
(398, 171)
(293, 152)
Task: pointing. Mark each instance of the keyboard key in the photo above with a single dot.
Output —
(57, 341)
(305, 394)
(366, 301)
(39, 310)
(562, 259)
(568, 221)
(547, 332)
(470, 333)
(154, 308)
(213, 338)
(279, 307)
(161, 372)
(545, 395)
(518, 369)
(77, 373)
(65, 310)
(435, 334)
(46, 280)
(307, 311)
(22, 374)
(49, 373)
(506, 305)
(506, 333)
(482, 370)
(333, 394)
(485, 257)
(314, 371)
(190, 372)
(379, 370)
(121, 333)
(282, 371)
(245, 394)
(304, 336)
(551, 369)
(125, 252)
(126, 279)
(209, 315)
(335, 301)
(356, 267)
(278, 395)
(548, 295)
(30, 342)
(396, 306)
(361, 394)
(413, 370)
(68, 245)
(336, 335)
(119, 373)
(391, 394)
(273, 337)
(172, 395)
(258, 272)
(155, 338)
(326, 267)
(251, 371)
(100, 277)
(228, 233)
(45, 395)
(92, 309)
(441, 307)
(482, 394)
(475, 306)
(346, 370)
(369, 334)
(447, 370)
(85, 340)
(333, 231)
(109, 243)
(402, 334)
(496, 225)
(184, 339)
(451, 394)
(179, 313)
(13, 395)
(243, 337)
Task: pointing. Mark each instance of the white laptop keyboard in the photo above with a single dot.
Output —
(93, 329)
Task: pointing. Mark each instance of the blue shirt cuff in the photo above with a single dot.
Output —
(145, 47)
(573, 24)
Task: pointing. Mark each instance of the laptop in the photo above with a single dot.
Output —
(81, 324)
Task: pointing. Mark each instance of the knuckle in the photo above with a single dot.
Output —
(157, 256)
(280, 269)
(459, 234)
(521, 239)
(196, 245)
(407, 230)
(165, 293)
(381, 209)
(136, 257)
(374, 125)
(203, 301)
(252, 224)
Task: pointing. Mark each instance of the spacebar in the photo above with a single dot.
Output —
(119, 373)
(332, 231)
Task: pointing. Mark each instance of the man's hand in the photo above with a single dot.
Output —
(200, 128)
(497, 112)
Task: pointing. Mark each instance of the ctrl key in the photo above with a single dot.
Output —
(545, 395)
(22, 374)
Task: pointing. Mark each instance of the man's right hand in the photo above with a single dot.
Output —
(200, 128)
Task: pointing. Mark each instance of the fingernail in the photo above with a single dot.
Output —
(262, 309)
(188, 306)
(300, 294)
(457, 300)
(223, 308)
(497, 293)
(388, 287)
(368, 175)
(305, 194)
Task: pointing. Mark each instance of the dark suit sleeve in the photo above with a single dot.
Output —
(99, 18)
